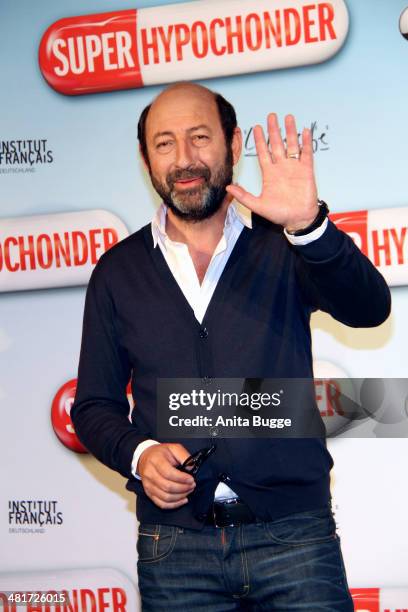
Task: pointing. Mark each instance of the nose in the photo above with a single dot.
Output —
(185, 153)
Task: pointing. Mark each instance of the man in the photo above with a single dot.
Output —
(208, 291)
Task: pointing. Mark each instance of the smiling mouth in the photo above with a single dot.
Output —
(191, 182)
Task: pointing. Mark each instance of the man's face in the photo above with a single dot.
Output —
(189, 163)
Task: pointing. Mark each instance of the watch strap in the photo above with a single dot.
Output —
(317, 221)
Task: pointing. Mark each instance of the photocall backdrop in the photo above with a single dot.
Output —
(72, 184)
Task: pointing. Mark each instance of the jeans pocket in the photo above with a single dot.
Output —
(312, 527)
(155, 542)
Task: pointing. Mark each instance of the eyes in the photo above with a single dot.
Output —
(167, 144)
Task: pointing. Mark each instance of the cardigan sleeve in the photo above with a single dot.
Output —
(336, 277)
(100, 413)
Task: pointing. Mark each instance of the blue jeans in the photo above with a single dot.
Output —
(292, 563)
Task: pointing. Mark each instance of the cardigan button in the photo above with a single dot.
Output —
(203, 332)
(201, 516)
(223, 477)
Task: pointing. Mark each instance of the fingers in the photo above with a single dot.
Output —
(166, 486)
(307, 146)
(164, 462)
(278, 149)
(166, 493)
(262, 149)
(244, 197)
(168, 506)
(166, 490)
(292, 141)
(275, 139)
(163, 458)
(283, 167)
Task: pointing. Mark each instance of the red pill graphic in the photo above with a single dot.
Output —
(188, 41)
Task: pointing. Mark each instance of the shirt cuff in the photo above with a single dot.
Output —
(139, 450)
(307, 238)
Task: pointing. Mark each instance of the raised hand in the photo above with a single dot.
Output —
(289, 193)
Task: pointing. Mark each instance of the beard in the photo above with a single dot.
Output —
(199, 202)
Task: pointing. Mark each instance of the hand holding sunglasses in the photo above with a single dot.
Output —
(193, 463)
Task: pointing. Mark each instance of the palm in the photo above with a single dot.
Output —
(289, 194)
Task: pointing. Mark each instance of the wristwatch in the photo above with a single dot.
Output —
(317, 221)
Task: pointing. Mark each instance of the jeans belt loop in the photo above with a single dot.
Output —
(214, 514)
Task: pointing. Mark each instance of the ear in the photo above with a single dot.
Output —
(236, 145)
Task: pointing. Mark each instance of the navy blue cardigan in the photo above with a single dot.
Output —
(139, 326)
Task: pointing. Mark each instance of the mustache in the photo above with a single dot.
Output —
(187, 174)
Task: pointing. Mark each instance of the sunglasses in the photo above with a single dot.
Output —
(193, 463)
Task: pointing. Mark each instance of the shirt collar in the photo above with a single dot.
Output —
(235, 212)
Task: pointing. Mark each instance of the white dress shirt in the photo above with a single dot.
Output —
(198, 296)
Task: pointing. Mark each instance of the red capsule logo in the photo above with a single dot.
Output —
(366, 600)
(61, 419)
(188, 41)
(382, 235)
(354, 223)
(61, 415)
(91, 53)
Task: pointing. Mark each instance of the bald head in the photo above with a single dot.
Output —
(176, 99)
(181, 91)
